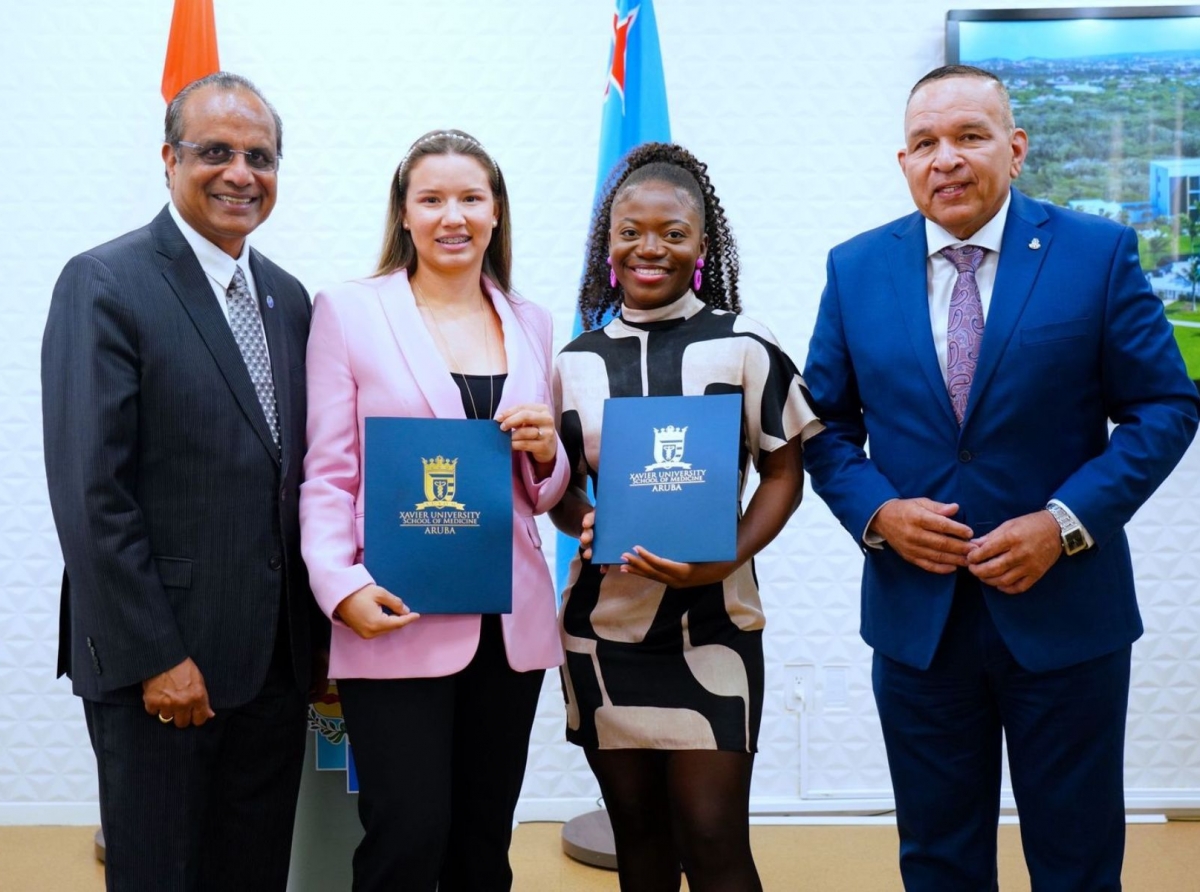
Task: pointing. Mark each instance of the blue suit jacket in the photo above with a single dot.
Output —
(1074, 339)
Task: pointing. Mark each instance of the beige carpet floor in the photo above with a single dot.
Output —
(1160, 858)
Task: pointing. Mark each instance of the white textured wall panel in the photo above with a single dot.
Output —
(797, 109)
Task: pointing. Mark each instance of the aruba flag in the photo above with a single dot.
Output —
(634, 112)
(635, 97)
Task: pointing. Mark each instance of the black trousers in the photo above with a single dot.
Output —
(440, 764)
(201, 809)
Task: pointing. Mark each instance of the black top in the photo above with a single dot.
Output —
(480, 394)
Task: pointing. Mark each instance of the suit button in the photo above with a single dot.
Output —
(965, 456)
(283, 495)
(275, 562)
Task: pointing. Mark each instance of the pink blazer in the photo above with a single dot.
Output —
(369, 353)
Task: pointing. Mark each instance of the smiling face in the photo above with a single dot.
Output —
(961, 153)
(654, 239)
(224, 203)
(450, 212)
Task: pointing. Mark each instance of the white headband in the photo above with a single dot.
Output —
(446, 134)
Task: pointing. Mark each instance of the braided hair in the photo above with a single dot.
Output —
(675, 166)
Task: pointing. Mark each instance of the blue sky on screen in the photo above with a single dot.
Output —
(1072, 38)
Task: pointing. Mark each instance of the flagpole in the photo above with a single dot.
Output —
(634, 112)
(191, 54)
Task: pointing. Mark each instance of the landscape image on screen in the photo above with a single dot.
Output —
(1112, 108)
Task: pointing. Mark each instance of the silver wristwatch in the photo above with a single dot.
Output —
(1069, 529)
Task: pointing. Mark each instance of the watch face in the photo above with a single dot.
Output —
(1074, 542)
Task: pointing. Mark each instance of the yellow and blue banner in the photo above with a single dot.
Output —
(333, 745)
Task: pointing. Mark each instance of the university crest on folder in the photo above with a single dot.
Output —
(440, 484)
(677, 509)
(668, 448)
(438, 519)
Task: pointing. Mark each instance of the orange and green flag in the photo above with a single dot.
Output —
(192, 46)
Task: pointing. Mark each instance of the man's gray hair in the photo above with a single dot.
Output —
(222, 80)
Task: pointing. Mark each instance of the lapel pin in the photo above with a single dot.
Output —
(1033, 245)
(271, 300)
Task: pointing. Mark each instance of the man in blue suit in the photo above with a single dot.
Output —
(983, 346)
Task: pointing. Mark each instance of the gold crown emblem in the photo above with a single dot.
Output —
(439, 465)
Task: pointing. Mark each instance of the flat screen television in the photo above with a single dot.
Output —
(1110, 98)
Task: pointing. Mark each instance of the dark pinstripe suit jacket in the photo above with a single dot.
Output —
(177, 520)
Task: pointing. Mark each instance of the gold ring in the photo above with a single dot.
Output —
(166, 719)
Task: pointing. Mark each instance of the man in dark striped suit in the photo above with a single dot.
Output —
(173, 399)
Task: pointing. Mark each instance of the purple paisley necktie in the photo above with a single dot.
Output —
(964, 330)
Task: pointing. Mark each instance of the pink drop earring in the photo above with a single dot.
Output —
(697, 278)
(612, 274)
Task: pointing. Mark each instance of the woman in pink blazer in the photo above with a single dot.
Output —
(439, 708)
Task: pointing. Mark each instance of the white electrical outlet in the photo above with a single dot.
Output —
(799, 687)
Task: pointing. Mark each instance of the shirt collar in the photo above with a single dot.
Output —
(685, 306)
(216, 264)
(990, 235)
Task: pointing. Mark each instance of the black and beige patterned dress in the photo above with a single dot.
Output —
(650, 666)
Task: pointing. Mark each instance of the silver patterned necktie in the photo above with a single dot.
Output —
(964, 329)
(246, 323)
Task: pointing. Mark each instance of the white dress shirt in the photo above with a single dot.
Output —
(219, 266)
(941, 275)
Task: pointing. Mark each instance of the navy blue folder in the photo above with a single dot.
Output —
(438, 527)
(669, 478)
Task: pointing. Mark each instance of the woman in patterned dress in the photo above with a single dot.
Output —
(664, 672)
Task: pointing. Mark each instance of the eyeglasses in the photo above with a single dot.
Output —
(218, 155)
